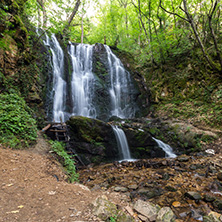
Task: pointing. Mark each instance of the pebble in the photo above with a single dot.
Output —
(120, 189)
(193, 195)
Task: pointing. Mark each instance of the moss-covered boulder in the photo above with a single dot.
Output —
(93, 140)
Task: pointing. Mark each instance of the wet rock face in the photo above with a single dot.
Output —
(101, 90)
(142, 144)
(102, 97)
(93, 140)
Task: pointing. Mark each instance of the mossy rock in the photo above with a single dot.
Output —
(92, 139)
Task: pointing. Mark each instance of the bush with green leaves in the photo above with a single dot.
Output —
(17, 126)
(65, 159)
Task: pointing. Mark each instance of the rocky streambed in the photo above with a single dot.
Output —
(186, 188)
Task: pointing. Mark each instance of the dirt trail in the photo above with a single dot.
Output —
(33, 188)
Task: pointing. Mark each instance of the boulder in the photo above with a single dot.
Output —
(107, 211)
(147, 209)
(103, 208)
(165, 215)
(93, 140)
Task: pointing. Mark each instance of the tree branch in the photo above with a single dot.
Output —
(172, 13)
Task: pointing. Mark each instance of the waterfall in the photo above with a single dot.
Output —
(122, 143)
(83, 102)
(166, 148)
(82, 83)
(59, 84)
(119, 88)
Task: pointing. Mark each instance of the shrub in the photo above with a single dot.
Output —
(66, 160)
(17, 127)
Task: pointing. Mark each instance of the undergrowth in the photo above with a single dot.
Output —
(67, 162)
(17, 127)
(198, 112)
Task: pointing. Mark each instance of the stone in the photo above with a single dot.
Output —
(129, 210)
(209, 198)
(123, 217)
(103, 208)
(143, 218)
(133, 186)
(150, 192)
(120, 189)
(193, 195)
(147, 209)
(215, 214)
(210, 218)
(165, 215)
(196, 215)
(183, 158)
(219, 176)
(218, 204)
(210, 151)
(172, 189)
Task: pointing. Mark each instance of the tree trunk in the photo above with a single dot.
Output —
(213, 34)
(42, 5)
(75, 10)
(82, 30)
(190, 19)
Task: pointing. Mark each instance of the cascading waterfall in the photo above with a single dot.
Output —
(82, 89)
(119, 88)
(166, 148)
(122, 143)
(59, 84)
(82, 83)
(120, 99)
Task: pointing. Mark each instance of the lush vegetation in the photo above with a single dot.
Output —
(65, 159)
(176, 46)
(17, 127)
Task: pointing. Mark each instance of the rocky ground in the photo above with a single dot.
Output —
(34, 188)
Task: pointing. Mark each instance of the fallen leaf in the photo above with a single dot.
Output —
(176, 204)
(20, 207)
(13, 212)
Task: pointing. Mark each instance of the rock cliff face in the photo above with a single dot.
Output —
(13, 41)
(20, 70)
(102, 71)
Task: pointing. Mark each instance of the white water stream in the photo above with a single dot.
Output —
(59, 84)
(82, 83)
(122, 143)
(166, 148)
(119, 88)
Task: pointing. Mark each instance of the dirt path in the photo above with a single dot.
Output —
(33, 188)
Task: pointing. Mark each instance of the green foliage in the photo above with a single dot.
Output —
(113, 218)
(66, 160)
(17, 127)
